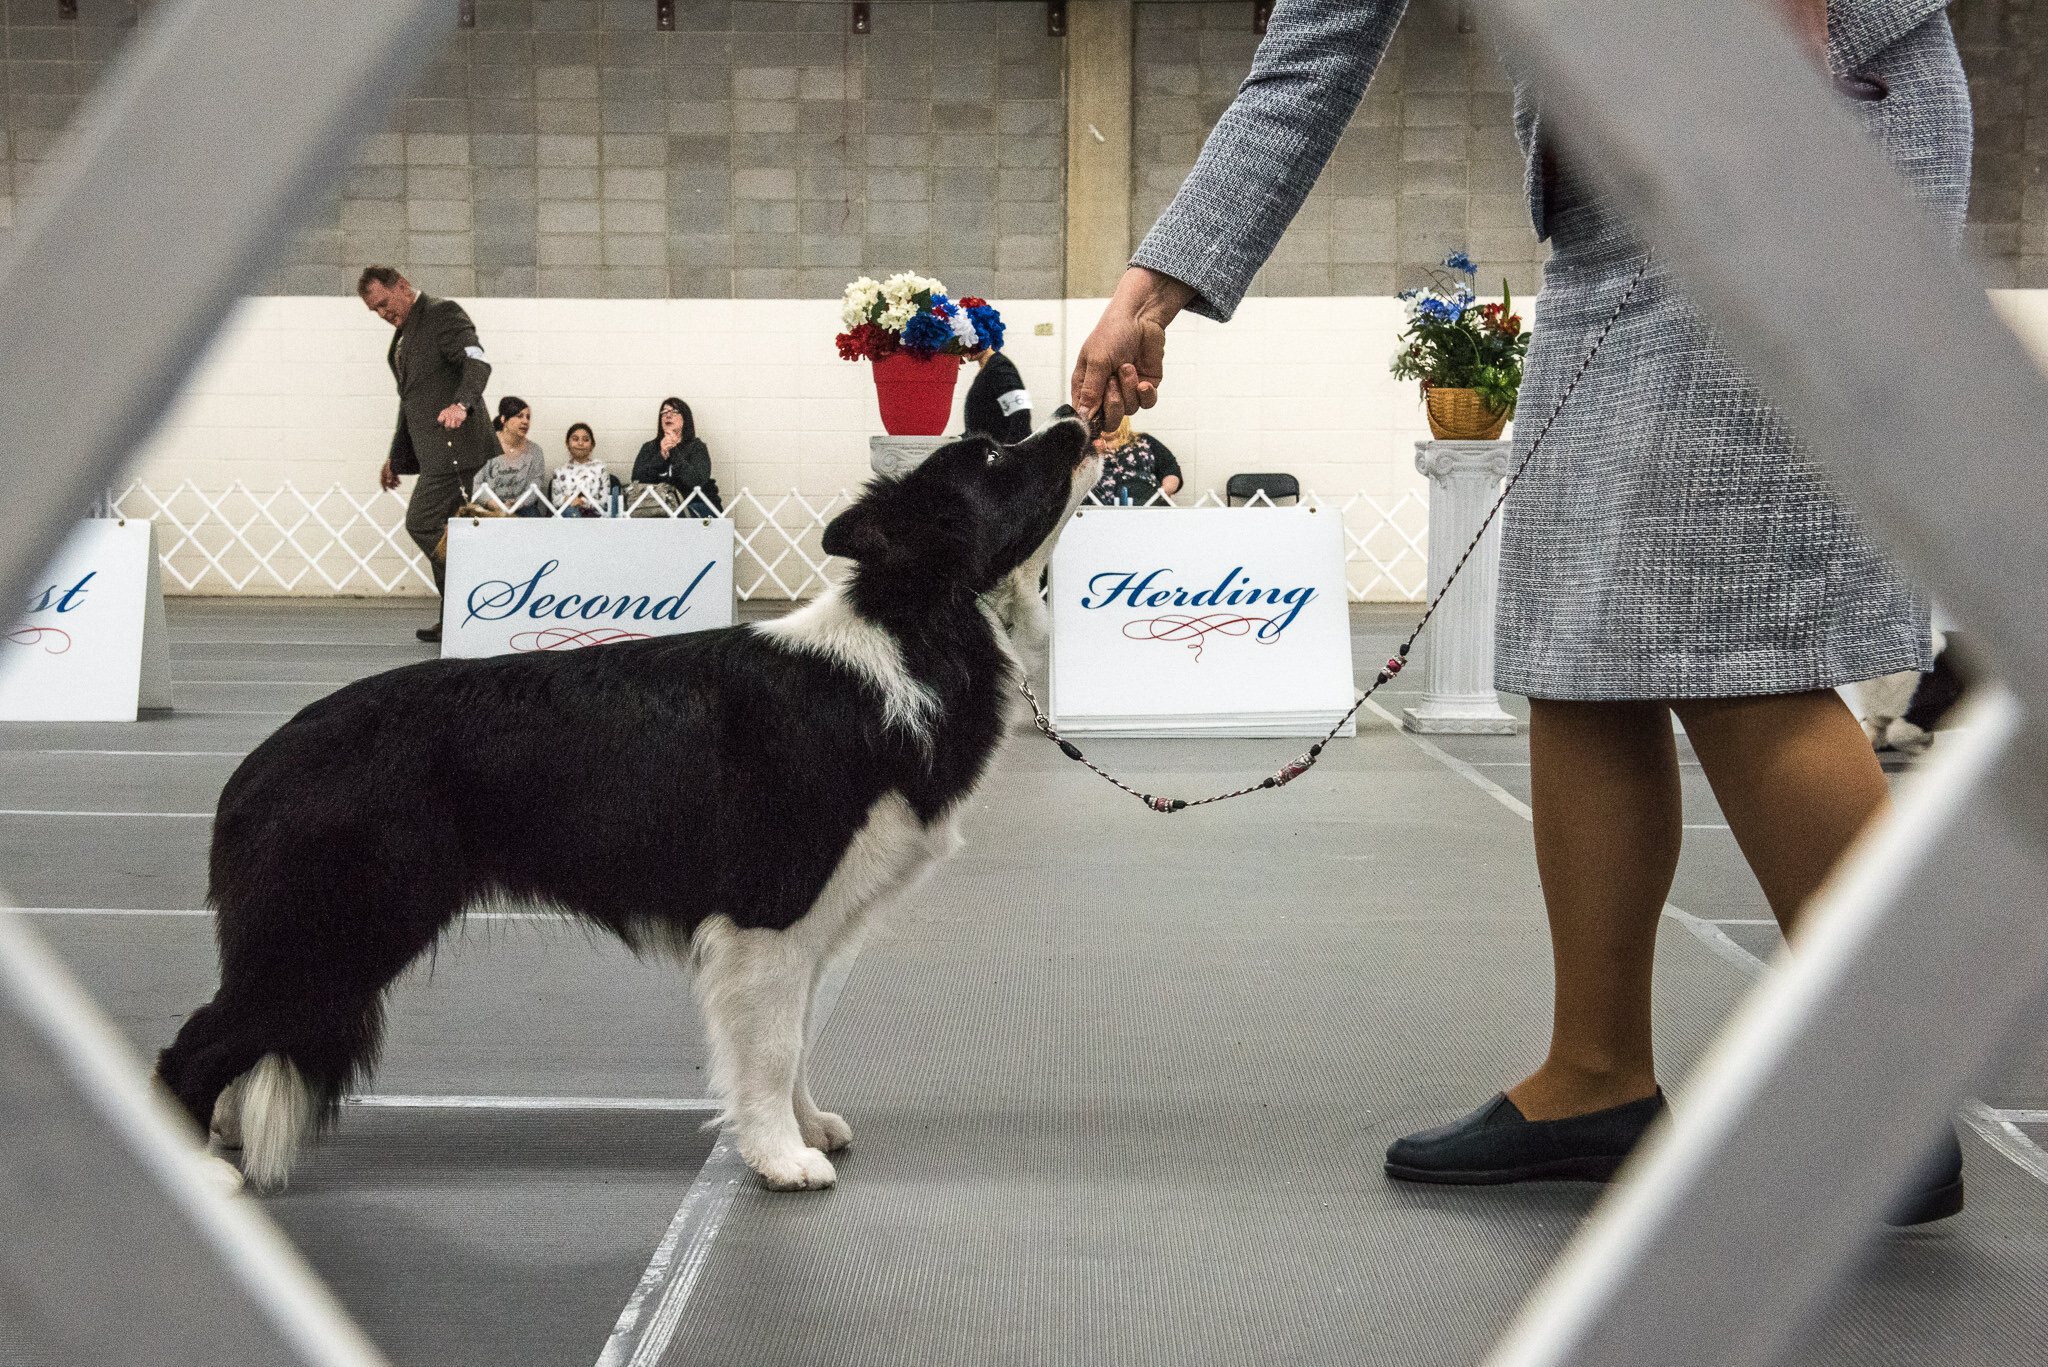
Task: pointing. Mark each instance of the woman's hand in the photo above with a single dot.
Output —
(669, 440)
(1120, 367)
(1170, 485)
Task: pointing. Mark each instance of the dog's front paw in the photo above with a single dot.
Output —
(1907, 738)
(798, 1170)
(223, 1174)
(824, 1130)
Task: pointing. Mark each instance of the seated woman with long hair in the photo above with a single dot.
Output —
(676, 456)
(520, 464)
(1135, 466)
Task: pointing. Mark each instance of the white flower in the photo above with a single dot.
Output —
(859, 301)
(963, 328)
(905, 286)
(897, 316)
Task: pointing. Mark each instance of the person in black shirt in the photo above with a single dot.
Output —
(998, 404)
(1135, 467)
(676, 456)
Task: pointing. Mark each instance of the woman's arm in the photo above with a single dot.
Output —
(1269, 147)
(693, 462)
(1165, 469)
(1256, 168)
(648, 466)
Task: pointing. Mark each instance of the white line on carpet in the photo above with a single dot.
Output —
(2001, 1130)
(218, 754)
(274, 683)
(642, 1336)
(1523, 764)
(37, 811)
(202, 911)
(396, 1101)
(1456, 765)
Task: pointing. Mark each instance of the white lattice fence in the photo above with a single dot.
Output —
(284, 541)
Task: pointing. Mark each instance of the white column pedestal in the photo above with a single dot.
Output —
(899, 455)
(1457, 646)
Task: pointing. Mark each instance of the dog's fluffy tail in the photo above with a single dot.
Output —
(279, 1109)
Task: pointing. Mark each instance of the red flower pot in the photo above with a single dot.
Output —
(916, 395)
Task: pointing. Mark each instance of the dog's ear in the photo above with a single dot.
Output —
(857, 535)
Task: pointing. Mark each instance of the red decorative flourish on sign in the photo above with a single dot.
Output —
(1193, 631)
(570, 638)
(29, 636)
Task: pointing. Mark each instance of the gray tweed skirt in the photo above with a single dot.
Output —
(1670, 540)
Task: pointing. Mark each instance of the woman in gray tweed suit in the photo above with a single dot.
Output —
(1670, 549)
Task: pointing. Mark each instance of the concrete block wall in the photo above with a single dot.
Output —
(566, 149)
(2004, 44)
(1429, 164)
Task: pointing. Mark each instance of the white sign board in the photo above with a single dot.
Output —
(92, 645)
(518, 584)
(1200, 622)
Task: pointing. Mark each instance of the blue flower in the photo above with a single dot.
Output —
(1441, 310)
(942, 306)
(1458, 261)
(988, 325)
(926, 333)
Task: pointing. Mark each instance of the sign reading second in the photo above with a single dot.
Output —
(1200, 622)
(518, 584)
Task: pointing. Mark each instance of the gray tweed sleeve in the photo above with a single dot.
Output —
(1860, 29)
(1266, 151)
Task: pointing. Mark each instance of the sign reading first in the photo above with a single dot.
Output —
(523, 584)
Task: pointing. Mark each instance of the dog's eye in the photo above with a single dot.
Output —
(992, 457)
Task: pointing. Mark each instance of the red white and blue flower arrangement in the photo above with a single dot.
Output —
(908, 312)
(915, 337)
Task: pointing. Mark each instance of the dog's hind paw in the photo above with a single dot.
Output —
(824, 1130)
(802, 1170)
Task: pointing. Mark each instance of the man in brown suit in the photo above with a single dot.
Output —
(444, 433)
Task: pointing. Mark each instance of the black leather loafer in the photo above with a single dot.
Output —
(429, 634)
(1497, 1144)
(1936, 1192)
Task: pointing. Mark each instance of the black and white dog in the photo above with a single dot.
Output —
(765, 789)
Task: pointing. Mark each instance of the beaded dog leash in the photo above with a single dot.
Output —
(1394, 663)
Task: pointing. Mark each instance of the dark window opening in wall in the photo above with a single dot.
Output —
(465, 14)
(67, 9)
(860, 16)
(1055, 18)
(665, 15)
(1261, 12)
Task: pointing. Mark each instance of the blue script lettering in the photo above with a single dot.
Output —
(50, 600)
(498, 599)
(1128, 586)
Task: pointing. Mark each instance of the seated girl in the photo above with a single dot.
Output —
(582, 487)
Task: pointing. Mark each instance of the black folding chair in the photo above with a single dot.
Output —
(1244, 488)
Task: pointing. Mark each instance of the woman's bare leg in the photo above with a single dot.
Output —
(1797, 780)
(1608, 817)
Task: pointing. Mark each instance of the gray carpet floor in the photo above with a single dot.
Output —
(1119, 1082)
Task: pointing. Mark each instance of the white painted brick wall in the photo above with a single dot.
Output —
(295, 389)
